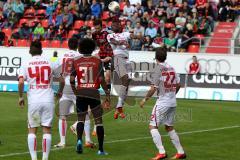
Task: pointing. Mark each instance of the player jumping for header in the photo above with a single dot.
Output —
(167, 83)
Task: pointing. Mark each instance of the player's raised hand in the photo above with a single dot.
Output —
(21, 102)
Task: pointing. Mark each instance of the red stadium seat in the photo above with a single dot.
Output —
(22, 43)
(7, 31)
(71, 33)
(64, 44)
(45, 43)
(218, 50)
(55, 44)
(122, 5)
(169, 25)
(193, 48)
(45, 23)
(105, 15)
(78, 24)
(23, 20)
(89, 23)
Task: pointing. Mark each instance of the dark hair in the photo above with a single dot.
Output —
(73, 43)
(86, 46)
(35, 48)
(97, 22)
(161, 54)
(55, 54)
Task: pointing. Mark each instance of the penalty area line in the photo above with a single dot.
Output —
(132, 139)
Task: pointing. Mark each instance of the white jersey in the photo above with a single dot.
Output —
(65, 62)
(119, 49)
(165, 79)
(39, 73)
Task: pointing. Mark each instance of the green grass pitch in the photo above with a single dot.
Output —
(208, 131)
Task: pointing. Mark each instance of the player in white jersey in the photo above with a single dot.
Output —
(167, 83)
(119, 43)
(39, 73)
(68, 100)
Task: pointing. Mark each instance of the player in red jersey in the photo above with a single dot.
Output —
(39, 73)
(194, 67)
(89, 72)
(105, 50)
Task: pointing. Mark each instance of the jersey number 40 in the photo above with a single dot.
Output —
(40, 73)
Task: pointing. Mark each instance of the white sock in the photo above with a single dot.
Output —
(176, 142)
(122, 96)
(157, 140)
(32, 145)
(46, 145)
(62, 124)
(87, 128)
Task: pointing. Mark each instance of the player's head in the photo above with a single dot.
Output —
(116, 26)
(86, 46)
(97, 25)
(194, 58)
(35, 48)
(161, 54)
(73, 43)
(55, 54)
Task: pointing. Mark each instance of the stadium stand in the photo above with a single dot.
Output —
(185, 19)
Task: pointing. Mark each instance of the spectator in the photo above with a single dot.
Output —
(171, 13)
(182, 42)
(139, 30)
(74, 8)
(88, 34)
(2, 37)
(180, 20)
(50, 9)
(209, 13)
(95, 9)
(139, 9)
(203, 26)
(145, 19)
(38, 32)
(170, 41)
(128, 10)
(138, 33)
(84, 10)
(18, 8)
(134, 19)
(158, 42)
(186, 9)
(50, 33)
(161, 30)
(151, 31)
(67, 18)
(194, 67)
(147, 44)
(59, 19)
(201, 6)
(7, 8)
(12, 20)
(161, 11)
(233, 10)
(128, 27)
(2, 20)
(61, 33)
(24, 31)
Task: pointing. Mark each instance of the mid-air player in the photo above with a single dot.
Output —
(167, 83)
(39, 73)
(68, 100)
(90, 75)
(119, 43)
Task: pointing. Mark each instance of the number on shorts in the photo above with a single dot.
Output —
(169, 78)
(41, 74)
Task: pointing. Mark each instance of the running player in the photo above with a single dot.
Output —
(39, 73)
(119, 43)
(90, 75)
(167, 83)
(68, 100)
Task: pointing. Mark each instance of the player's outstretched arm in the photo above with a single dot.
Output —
(20, 91)
(150, 93)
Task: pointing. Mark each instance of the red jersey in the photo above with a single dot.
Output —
(105, 49)
(194, 68)
(89, 72)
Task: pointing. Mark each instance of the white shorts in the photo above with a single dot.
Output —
(162, 115)
(66, 104)
(122, 66)
(40, 114)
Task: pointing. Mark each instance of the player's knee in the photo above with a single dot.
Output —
(152, 127)
(168, 128)
(46, 130)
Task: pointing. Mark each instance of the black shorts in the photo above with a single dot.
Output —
(82, 104)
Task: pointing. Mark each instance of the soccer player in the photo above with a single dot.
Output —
(90, 75)
(119, 43)
(167, 83)
(68, 100)
(39, 73)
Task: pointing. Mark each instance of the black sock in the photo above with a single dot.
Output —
(109, 86)
(100, 134)
(80, 129)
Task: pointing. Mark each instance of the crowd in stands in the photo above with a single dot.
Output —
(153, 22)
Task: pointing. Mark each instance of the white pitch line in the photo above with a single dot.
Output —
(133, 139)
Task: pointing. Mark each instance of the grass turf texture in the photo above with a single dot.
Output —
(192, 115)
